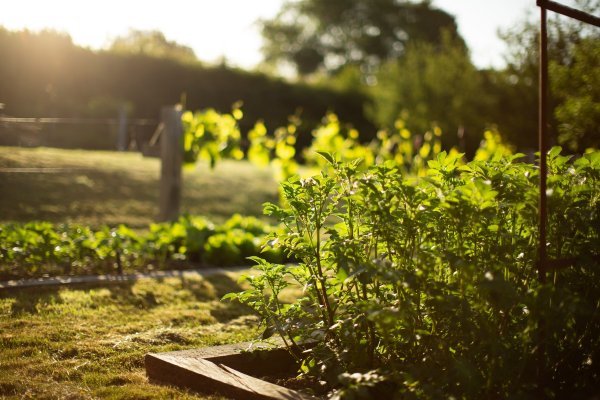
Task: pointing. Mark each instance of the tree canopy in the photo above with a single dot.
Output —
(313, 34)
(574, 96)
(578, 86)
(153, 44)
(430, 88)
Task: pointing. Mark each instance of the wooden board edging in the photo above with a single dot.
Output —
(217, 370)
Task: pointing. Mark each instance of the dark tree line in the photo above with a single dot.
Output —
(46, 75)
(370, 61)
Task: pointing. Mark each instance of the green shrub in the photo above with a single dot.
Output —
(36, 249)
(222, 249)
(250, 224)
(427, 287)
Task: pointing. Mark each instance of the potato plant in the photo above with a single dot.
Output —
(425, 287)
(36, 249)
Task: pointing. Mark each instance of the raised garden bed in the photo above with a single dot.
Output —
(229, 370)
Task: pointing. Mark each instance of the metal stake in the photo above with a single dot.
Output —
(543, 144)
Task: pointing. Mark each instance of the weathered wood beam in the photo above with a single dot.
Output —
(217, 370)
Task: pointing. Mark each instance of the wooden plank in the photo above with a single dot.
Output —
(75, 121)
(258, 359)
(46, 170)
(112, 279)
(191, 370)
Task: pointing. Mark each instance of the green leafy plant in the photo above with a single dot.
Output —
(210, 135)
(426, 288)
(36, 249)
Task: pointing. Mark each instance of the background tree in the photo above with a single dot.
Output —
(153, 44)
(310, 34)
(432, 86)
(573, 76)
(577, 85)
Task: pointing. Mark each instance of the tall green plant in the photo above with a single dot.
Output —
(427, 288)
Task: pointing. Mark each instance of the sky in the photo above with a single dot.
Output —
(217, 29)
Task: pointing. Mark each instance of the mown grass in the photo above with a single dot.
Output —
(84, 343)
(100, 187)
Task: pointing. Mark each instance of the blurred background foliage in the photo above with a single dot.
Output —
(45, 75)
(153, 44)
(369, 61)
(317, 34)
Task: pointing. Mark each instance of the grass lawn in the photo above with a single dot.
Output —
(89, 342)
(84, 343)
(101, 187)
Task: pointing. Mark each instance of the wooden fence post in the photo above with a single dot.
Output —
(171, 154)
(122, 130)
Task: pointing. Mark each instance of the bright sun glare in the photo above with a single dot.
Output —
(212, 28)
(217, 28)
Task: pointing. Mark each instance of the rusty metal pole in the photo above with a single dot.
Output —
(570, 12)
(543, 142)
(543, 211)
(543, 145)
